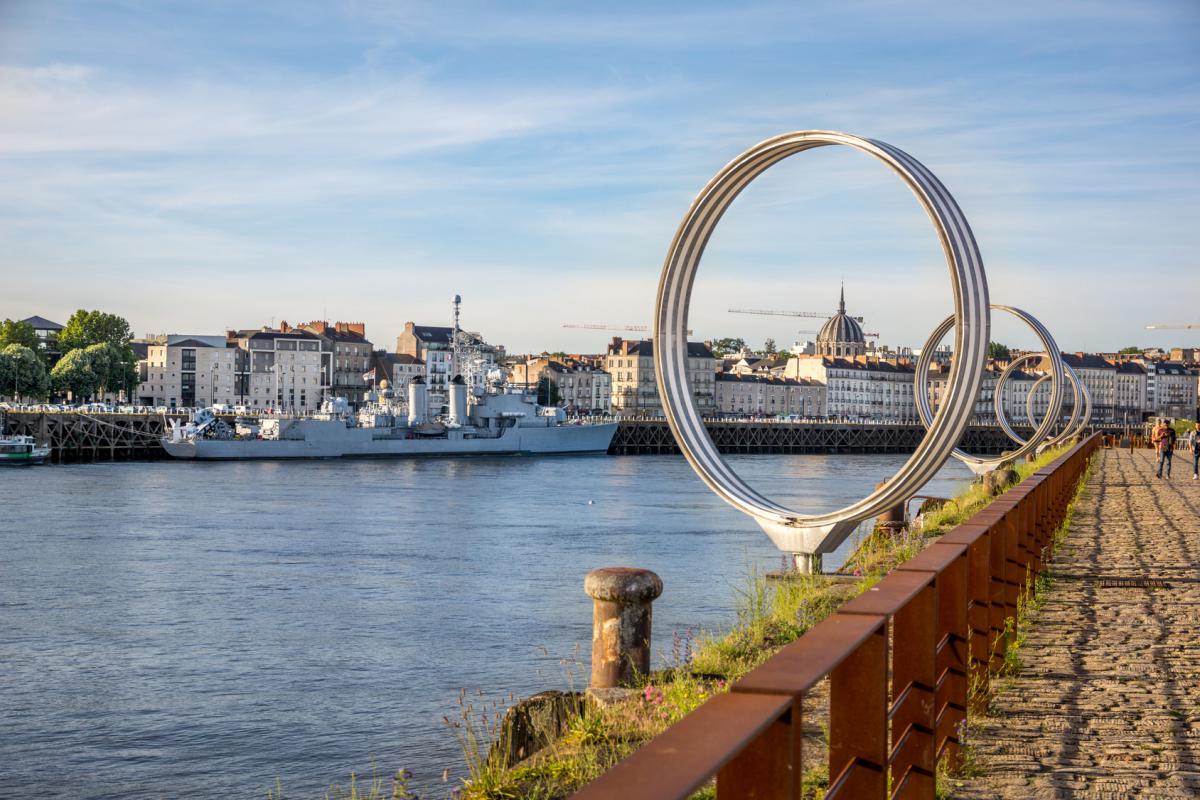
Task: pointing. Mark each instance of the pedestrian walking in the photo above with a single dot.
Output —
(1163, 438)
(1194, 441)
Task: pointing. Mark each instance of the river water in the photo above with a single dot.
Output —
(208, 629)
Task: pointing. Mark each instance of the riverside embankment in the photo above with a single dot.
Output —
(82, 437)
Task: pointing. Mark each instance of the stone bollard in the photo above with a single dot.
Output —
(620, 623)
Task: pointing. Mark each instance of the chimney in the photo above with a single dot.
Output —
(284, 327)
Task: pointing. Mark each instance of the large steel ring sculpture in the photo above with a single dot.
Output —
(808, 536)
(977, 464)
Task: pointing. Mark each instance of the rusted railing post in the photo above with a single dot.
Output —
(621, 616)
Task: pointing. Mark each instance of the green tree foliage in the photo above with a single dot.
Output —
(998, 351)
(106, 338)
(22, 373)
(769, 347)
(1130, 351)
(74, 373)
(21, 333)
(112, 370)
(547, 392)
(726, 347)
(86, 328)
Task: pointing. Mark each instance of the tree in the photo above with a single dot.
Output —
(21, 333)
(998, 351)
(86, 328)
(111, 369)
(547, 392)
(74, 373)
(726, 347)
(1130, 351)
(114, 369)
(769, 347)
(22, 373)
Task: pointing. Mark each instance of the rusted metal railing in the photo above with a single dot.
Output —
(900, 658)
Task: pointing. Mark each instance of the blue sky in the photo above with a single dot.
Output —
(196, 166)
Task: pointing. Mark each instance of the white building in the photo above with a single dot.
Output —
(860, 387)
(181, 371)
(767, 395)
(283, 370)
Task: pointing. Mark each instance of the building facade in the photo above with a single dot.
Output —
(634, 389)
(765, 395)
(349, 357)
(187, 372)
(860, 388)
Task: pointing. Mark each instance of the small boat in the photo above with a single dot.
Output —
(18, 451)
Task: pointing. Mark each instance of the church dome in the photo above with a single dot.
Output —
(841, 335)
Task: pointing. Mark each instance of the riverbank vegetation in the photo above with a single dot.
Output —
(772, 611)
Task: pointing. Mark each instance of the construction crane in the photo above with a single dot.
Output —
(805, 314)
(1184, 327)
(603, 327)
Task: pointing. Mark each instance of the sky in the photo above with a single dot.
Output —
(198, 166)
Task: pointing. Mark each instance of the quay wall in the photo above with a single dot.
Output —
(75, 436)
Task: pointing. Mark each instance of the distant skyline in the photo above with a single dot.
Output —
(197, 167)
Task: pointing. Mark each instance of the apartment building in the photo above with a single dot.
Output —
(347, 357)
(186, 371)
(634, 389)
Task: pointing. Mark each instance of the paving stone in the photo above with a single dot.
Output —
(1107, 704)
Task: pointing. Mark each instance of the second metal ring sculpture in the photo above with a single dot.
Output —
(920, 395)
(1081, 410)
(807, 536)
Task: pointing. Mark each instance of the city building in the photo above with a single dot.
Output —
(435, 346)
(1129, 393)
(841, 336)
(348, 359)
(582, 387)
(747, 393)
(634, 389)
(47, 333)
(398, 369)
(858, 387)
(1171, 389)
(282, 369)
(181, 371)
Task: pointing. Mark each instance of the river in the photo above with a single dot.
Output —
(207, 629)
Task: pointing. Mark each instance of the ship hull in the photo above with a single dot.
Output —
(341, 442)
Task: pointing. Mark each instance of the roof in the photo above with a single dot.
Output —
(841, 328)
(189, 342)
(431, 333)
(1086, 361)
(1130, 368)
(140, 350)
(1170, 368)
(292, 334)
(730, 377)
(42, 324)
(646, 348)
(873, 366)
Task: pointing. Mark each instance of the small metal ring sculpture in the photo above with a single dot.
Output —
(807, 536)
(1082, 399)
(976, 464)
(1001, 414)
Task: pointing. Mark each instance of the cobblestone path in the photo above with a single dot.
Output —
(1107, 703)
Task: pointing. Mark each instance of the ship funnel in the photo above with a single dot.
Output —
(417, 401)
(458, 401)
